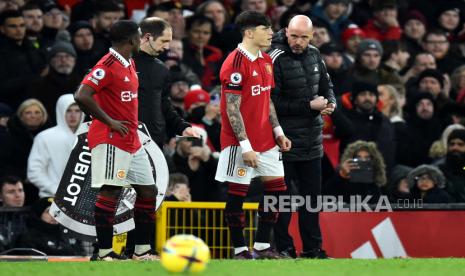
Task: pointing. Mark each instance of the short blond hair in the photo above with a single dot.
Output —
(30, 102)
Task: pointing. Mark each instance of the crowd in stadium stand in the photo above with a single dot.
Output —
(398, 70)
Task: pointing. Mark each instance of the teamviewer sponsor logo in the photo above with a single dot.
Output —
(127, 96)
(257, 89)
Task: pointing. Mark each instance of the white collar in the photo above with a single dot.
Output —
(120, 58)
(248, 54)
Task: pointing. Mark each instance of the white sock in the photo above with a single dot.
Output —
(103, 252)
(142, 248)
(261, 245)
(238, 250)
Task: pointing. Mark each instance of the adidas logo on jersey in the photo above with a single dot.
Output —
(254, 74)
(126, 79)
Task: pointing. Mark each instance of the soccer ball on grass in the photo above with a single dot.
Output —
(185, 253)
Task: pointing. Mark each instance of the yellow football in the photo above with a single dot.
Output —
(185, 253)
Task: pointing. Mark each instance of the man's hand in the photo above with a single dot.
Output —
(119, 126)
(329, 109)
(189, 131)
(319, 103)
(284, 143)
(250, 159)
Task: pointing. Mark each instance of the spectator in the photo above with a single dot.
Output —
(11, 192)
(452, 166)
(423, 128)
(351, 38)
(448, 19)
(20, 62)
(83, 40)
(202, 111)
(421, 62)
(457, 82)
(367, 62)
(170, 11)
(384, 24)
(453, 113)
(178, 87)
(215, 10)
(395, 57)
(439, 148)
(436, 43)
(343, 182)
(432, 81)
(44, 233)
(53, 22)
(392, 103)
(33, 18)
(178, 188)
(414, 28)
(195, 102)
(52, 147)
(368, 124)
(334, 14)
(338, 69)
(197, 163)
(320, 33)
(254, 5)
(399, 188)
(30, 119)
(205, 60)
(173, 58)
(106, 14)
(5, 113)
(14, 222)
(426, 183)
(60, 80)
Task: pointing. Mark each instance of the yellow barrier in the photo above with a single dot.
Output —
(202, 219)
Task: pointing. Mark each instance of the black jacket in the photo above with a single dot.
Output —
(374, 127)
(16, 146)
(51, 87)
(155, 108)
(299, 78)
(49, 239)
(19, 66)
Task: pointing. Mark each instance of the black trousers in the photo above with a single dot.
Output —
(302, 178)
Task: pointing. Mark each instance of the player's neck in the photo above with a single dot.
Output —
(250, 47)
(127, 54)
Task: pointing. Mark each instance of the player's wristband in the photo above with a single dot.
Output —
(278, 131)
(246, 146)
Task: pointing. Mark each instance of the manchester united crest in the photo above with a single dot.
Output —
(241, 172)
(268, 68)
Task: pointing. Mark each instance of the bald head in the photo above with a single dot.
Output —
(300, 22)
(299, 33)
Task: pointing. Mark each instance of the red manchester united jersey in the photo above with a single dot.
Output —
(251, 77)
(115, 81)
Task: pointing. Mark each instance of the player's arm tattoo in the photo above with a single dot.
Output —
(273, 117)
(233, 105)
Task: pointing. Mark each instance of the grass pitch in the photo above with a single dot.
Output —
(392, 267)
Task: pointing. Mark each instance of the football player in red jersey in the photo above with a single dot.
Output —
(109, 94)
(251, 137)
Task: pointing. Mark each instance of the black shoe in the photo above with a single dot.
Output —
(288, 253)
(314, 254)
(268, 253)
(110, 257)
(244, 255)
